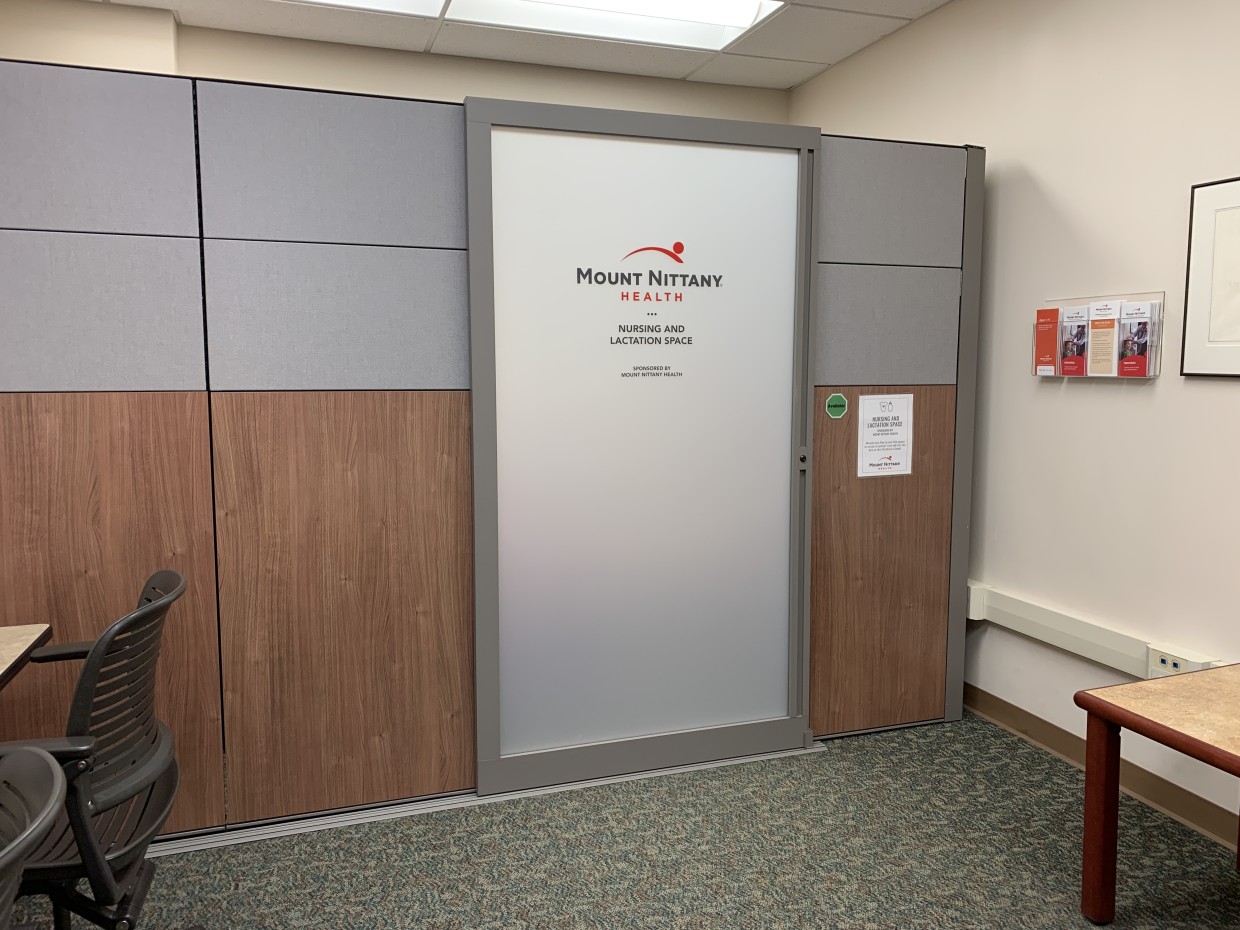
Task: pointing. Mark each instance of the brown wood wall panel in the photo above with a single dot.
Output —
(97, 491)
(346, 597)
(881, 553)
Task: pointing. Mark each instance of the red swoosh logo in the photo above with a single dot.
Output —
(673, 253)
(654, 248)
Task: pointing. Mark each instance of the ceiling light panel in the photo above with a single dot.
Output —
(706, 24)
(428, 8)
(741, 13)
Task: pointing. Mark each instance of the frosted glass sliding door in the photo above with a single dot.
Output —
(638, 373)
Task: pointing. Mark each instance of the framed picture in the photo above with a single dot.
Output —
(1212, 291)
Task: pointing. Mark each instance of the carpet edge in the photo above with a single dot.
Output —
(1192, 810)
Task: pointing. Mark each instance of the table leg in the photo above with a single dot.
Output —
(1101, 820)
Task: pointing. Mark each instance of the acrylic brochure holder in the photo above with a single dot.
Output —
(1118, 336)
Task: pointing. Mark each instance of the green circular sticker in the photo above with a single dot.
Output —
(837, 406)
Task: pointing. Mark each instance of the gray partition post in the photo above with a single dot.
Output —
(966, 412)
(498, 772)
(799, 575)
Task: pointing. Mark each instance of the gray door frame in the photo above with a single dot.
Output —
(497, 773)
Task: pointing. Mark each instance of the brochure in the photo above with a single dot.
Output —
(1103, 339)
(1073, 338)
(1046, 342)
(1138, 338)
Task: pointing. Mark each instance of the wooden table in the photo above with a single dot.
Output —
(16, 644)
(1197, 713)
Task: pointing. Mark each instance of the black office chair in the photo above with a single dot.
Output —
(120, 767)
(32, 795)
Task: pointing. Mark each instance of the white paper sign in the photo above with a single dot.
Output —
(885, 435)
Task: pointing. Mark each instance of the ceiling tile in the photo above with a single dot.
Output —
(540, 48)
(302, 21)
(909, 9)
(807, 34)
(756, 72)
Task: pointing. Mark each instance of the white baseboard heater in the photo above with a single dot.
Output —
(1089, 639)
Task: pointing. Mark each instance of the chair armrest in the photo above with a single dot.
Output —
(61, 651)
(61, 748)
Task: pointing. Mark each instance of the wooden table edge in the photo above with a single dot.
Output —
(18, 663)
(1208, 753)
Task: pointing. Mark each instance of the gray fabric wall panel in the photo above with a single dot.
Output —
(883, 325)
(96, 151)
(303, 166)
(890, 203)
(83, 312)
(292, 316)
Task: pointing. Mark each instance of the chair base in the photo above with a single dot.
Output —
(124, 916)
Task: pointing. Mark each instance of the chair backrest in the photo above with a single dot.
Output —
(32, 793)
(115, 698)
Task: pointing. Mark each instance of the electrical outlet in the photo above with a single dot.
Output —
(1164, 662)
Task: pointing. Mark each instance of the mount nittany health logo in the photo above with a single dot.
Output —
(637, 285)
(673, 253)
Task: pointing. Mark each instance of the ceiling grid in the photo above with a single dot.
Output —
(749, 43)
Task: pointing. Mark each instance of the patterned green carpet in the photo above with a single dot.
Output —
(953, 826)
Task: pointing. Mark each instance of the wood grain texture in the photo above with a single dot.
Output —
(97, 491)
(346, 597)
(881, 559)
(1101, 841)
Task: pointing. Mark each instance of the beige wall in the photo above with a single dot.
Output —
(72, 32)
(113, 36)
(1113, 501)
(270, 60)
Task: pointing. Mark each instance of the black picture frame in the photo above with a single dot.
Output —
(1196, 306)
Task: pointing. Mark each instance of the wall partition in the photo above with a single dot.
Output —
(239, 327)
(335, 284)
(105, 453)
(897, 297)
(640, 316)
